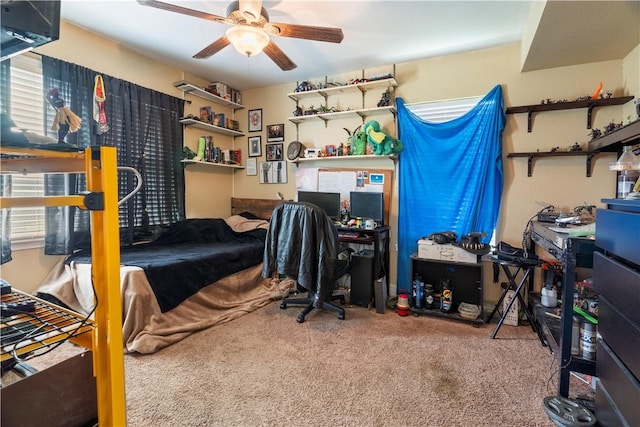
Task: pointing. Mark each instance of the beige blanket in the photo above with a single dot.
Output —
(145, 328)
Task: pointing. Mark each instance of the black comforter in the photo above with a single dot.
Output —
(190, 255)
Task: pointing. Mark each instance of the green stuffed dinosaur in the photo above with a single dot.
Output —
(381, 142)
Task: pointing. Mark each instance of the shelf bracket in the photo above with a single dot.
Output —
(529, 164)
(589, 157)
(529, 119)
(589, 111)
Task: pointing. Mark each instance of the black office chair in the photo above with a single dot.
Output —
(302, 244)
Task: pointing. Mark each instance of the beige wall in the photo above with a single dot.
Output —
(561, 182)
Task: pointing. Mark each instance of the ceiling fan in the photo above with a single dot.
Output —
(250, 30)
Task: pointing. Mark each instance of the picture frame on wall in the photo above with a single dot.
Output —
(252, 166)
(255, 120)
(255, 146)
(275, 133)
(274, 152)
(273, 172)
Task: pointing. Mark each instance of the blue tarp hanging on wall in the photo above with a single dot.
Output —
(450, 176)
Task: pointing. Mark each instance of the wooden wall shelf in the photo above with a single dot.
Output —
(338, 90)
(393, 157)
(533, 155)
(221, 165)
(589, 104)
(612, 141)
(210, 128)
(192, 89)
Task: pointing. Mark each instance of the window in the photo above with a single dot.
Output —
(143, 125)
(27, 109)
(443, 111)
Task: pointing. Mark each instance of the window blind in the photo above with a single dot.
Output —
(27, 108)
(443, 111)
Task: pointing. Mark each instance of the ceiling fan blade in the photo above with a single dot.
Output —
(214, 47)
(183, 10)
(308, 32)
(279, 57)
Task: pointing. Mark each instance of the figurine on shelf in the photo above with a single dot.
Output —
(611, 127)
(65, 120)
(575, 147)
(359, 143)
(595, 133)
(385, 100)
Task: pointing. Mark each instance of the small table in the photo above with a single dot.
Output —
(512, 268)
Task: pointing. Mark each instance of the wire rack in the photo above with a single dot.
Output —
(23, 333)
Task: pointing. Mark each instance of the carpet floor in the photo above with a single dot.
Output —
(265, 369)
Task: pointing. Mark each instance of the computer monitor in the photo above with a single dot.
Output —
(328, 202)
(367, 205)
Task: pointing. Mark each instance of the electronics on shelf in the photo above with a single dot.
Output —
(367, 205)
(328, 202)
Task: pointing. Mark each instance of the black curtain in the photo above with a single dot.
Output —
(143, 125)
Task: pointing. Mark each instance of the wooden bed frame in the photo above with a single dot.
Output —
(262, 208)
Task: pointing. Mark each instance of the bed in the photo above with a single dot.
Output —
(197, 274)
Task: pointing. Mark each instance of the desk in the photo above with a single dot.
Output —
(573, 252)
(367, 266)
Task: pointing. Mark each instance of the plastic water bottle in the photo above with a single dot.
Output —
(549, 296)
(417, 291)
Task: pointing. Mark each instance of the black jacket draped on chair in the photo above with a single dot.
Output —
(302, 243)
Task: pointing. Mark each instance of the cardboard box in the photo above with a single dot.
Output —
(428, 249)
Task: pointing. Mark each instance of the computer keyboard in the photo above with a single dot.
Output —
(348, 234)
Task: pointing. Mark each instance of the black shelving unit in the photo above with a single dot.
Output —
(573, 253)
(466, 282)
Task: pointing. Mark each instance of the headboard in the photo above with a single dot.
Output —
(262, 208)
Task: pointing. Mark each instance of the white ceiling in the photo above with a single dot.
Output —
(376, 33)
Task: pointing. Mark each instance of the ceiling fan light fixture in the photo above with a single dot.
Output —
(247, 40)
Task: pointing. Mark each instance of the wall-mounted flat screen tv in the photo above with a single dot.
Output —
(27, 25)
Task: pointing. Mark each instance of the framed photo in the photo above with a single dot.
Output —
(275, 133)
(255, 146)
(274, 152)
(252, 166)
(273, 172)
(255, 120)
(206, 115)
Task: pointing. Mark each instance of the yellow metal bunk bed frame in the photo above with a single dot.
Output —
(100, 165)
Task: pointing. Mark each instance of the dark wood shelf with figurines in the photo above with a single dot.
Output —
(548, 105)
(531, 156)
(611, 141)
